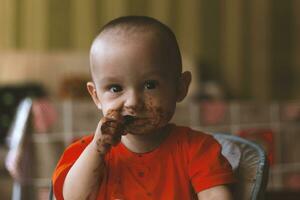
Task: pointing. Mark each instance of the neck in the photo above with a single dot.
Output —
(145, 143)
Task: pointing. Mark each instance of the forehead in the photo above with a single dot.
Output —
(123, 51)
(146, 39)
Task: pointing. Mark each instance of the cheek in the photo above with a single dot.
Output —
(108, 106)
(158, 114)
(160, 111)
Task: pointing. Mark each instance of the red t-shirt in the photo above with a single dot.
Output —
(186, 163)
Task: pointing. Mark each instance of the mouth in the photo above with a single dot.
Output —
(138, 125)
(128, 119)
(135, 121)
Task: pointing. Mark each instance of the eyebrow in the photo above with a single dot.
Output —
(159, 73)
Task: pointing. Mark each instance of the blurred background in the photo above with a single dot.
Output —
(244, 57)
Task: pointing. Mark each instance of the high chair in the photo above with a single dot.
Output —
(249, 163)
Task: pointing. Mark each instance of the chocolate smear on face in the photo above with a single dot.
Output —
(156, 118)
(128, 119)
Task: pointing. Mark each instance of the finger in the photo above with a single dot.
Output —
(112, 127)
(111, 139)
(112, 123)
(107, 139)
(111, 130)
(104, 143)
(98, 129)
(114, 115)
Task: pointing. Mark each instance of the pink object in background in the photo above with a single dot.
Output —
(212, 112)
(291, 111)
(44, 115)
(293, 181)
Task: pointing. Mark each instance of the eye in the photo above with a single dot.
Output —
(115, 88)
(150, 85)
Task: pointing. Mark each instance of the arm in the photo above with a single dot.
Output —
(215, 193)
(210, 172)
(84, 178)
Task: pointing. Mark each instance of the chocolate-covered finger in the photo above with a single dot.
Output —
(102, 145)
(114, 115)
(111, 139)
(107, 139)
(113, 124)
(115, 129)
(105, 129)
(109, 122)
(111, 131)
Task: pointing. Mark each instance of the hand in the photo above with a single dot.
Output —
(109, 132)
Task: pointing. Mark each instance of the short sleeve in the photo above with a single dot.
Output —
(65, 163)
(207, 167)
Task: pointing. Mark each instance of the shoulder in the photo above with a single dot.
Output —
(73, 151)
(193, 142)
(76, 148)
(192, 136)
(206, 166)
(68, 158)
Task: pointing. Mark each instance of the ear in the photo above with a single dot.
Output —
(92, 90)
(183, 85)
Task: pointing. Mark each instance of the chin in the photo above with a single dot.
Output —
(144, 130)
(140, 131)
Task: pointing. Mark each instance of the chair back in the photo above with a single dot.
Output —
(249, 163)
(18, 159)
(16, 138)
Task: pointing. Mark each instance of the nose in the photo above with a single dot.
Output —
(134, 101)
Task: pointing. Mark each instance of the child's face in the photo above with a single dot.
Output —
(134, 78)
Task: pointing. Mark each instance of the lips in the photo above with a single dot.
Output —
(132, 121)
(128, 119)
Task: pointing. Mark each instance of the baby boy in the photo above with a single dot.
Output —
(135, 152)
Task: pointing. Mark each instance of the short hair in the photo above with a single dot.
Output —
(134, 24)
